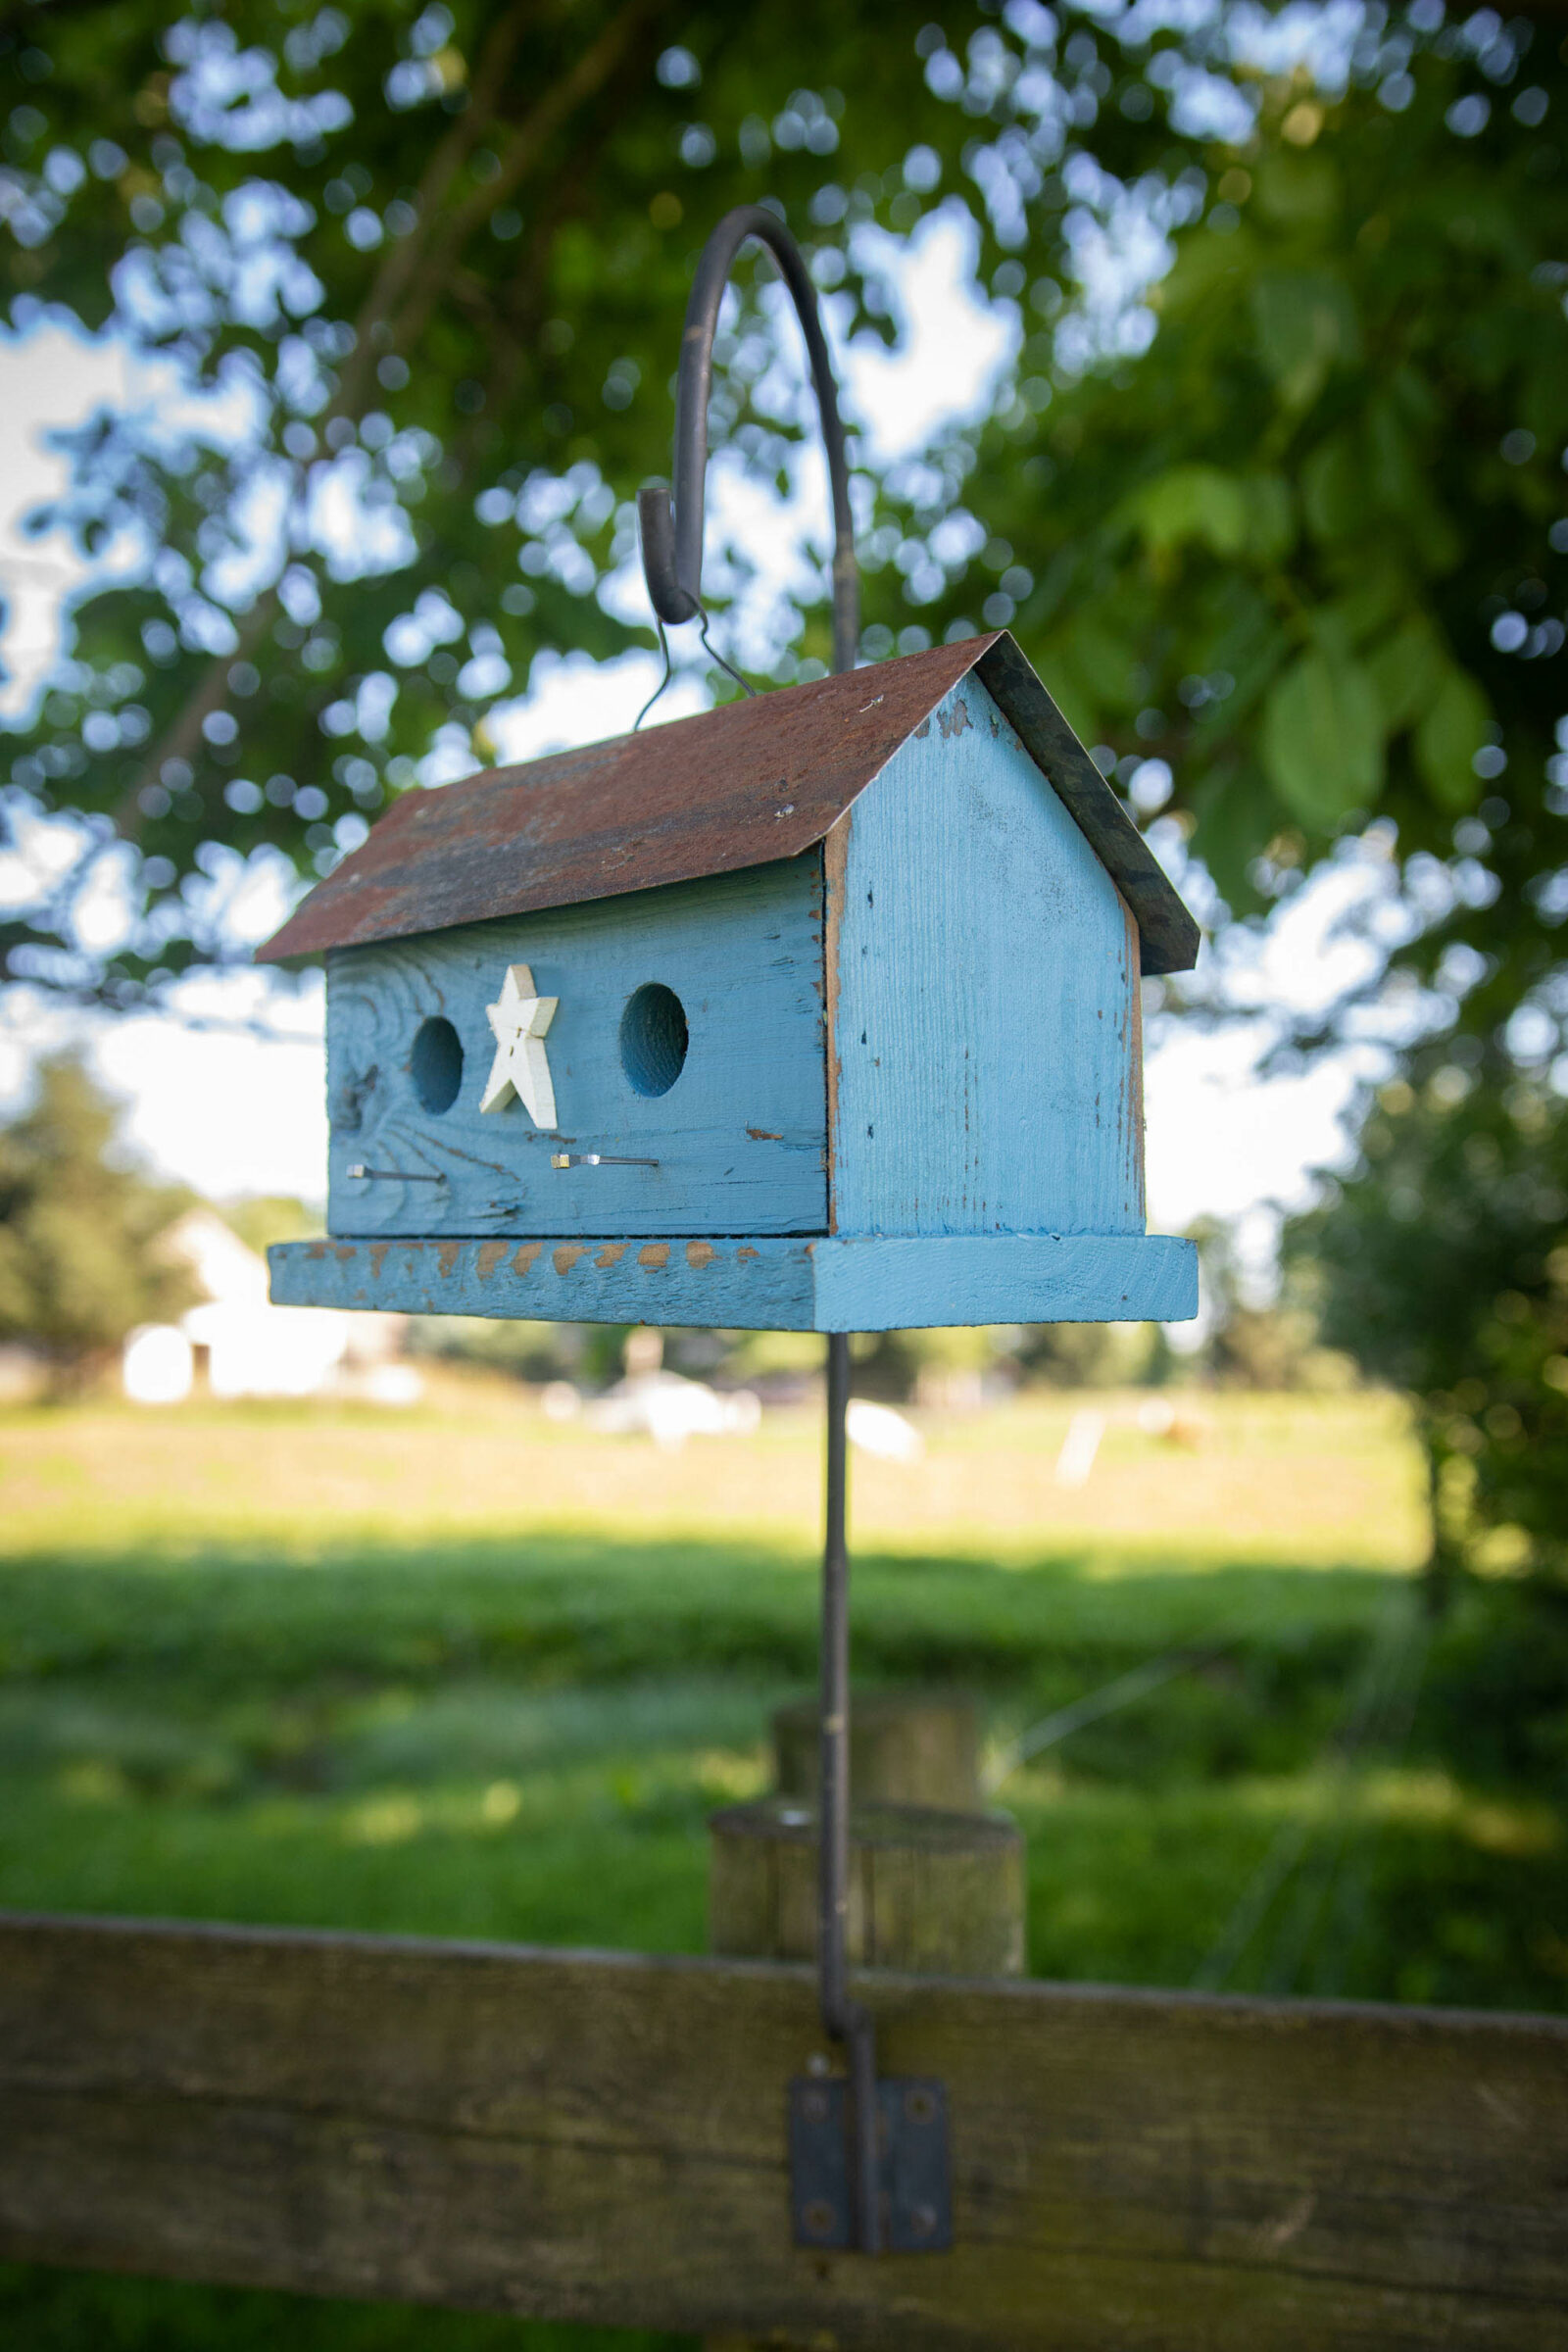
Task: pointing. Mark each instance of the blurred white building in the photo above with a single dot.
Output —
(236, 1344)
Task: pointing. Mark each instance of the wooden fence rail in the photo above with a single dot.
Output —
(593, 2137)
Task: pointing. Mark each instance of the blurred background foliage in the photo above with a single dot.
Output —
(1272, 495)
(79, 1231)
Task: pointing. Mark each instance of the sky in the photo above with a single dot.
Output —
(230, 1113)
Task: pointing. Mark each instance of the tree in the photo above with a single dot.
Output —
(1307, 551)
(433, 254)
(80, 1264)
(438, 259)
(1442, 1264)
(1301, 573)
(1271, 1343)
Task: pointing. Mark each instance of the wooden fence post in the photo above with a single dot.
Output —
(936, 1886)
(905, 1748)
(931, 1892)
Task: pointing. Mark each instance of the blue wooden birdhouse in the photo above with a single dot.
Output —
(820, 1010)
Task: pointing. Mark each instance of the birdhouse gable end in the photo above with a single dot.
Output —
(985, 1052)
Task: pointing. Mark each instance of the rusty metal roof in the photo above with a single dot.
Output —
(762, 778)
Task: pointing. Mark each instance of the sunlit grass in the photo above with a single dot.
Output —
(1312, 1480)
(465, 1671)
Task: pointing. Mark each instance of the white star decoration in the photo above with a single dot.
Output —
(520, 1068)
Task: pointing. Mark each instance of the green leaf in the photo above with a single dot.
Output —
(1206, 265)
(1451, 730)
(1295, 191)
(1069, 693)
(1406, 670)
(1270, 516)
(1099, 659)
(1394, 460)
(1333, 488)
(1193, 502)
(1323, 738)
(1304, 321)
(1379, 597)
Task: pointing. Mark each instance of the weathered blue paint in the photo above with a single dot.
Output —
(983, 995)
(907, 1285)
(739, 1138)
(771, 1283)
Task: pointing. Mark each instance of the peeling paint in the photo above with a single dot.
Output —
(378, 1255)
(654, 1253)
(527, 1252)
(954, 720)
(488, 1257)
(447, 1256)
(789, 1284)
(611, 1253)
(700, 1253)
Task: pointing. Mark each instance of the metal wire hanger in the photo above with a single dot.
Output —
(709, 647)
(671, 527)
(671, 531)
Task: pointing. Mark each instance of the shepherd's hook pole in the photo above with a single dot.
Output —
(672, 566)
(672, 537)
(844, 2019)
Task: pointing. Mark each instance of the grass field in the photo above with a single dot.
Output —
(464, 1671)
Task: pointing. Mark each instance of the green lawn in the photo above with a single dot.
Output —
(465, 1671)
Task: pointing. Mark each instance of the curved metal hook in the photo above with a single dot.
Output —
(672, 534)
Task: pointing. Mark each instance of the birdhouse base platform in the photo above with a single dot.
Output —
(770, 1283)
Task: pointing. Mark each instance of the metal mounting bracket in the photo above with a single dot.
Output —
(914, 2191)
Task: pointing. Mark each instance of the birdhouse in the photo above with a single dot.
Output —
(817, 1012)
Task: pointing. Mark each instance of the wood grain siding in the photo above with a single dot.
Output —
(600, 2138)
(739, 1138)
(985, 979)
(903, 1284)
(834, 852)
(1132, 1114)
(764, 1284)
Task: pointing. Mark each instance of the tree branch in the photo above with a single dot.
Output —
(415, 275)
(182, 741)
(587, 77)
(404, 262)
